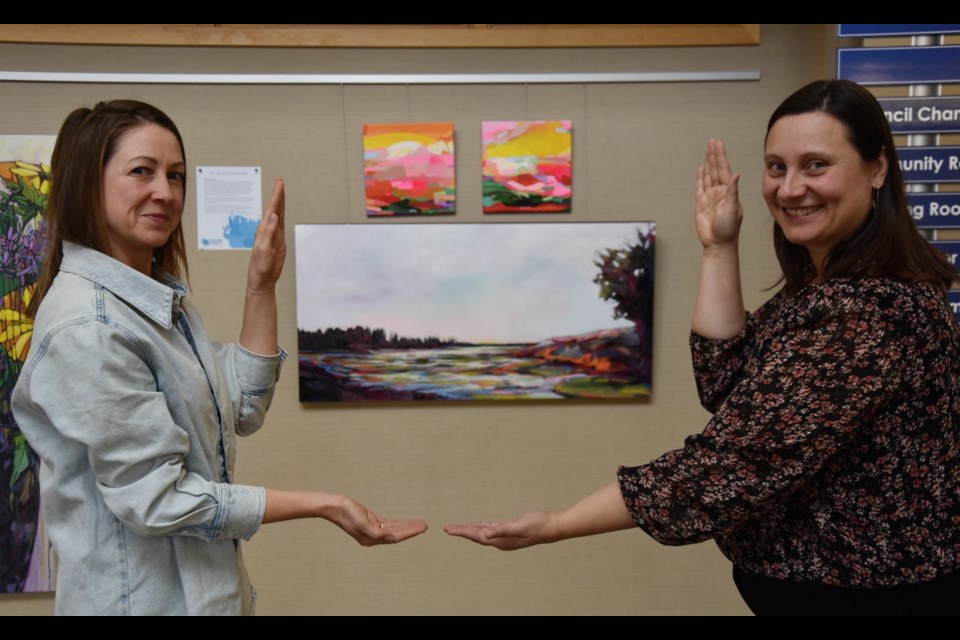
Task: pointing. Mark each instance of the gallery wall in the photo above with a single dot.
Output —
(636, 149)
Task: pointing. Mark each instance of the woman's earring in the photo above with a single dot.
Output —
(876, 195)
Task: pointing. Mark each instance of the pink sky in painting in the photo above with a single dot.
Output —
(475, 282)
(527, 158)
(409, 168)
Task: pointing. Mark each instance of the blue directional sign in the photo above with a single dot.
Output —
(922, 115)
(899, 65)
(930, 164)
(935, 210)
(949, 248)
(868, 30)
(954, 297)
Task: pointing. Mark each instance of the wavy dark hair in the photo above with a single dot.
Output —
(887, 244)
(87, 141)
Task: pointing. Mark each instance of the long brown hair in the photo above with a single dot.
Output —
(86, 142)
(888, 243)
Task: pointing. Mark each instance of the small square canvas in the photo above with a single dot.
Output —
(409, 168)
(527, 166)
(512, 311)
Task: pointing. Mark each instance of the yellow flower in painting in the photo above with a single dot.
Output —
(36, 175)
(16, 327)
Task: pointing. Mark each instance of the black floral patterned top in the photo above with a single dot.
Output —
(834, 451)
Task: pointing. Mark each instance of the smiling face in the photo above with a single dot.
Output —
(143, 194)
(817, 186)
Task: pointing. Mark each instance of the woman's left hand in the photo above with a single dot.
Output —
(270, 245)
(360, 523)
(717, 212)
(369, 529)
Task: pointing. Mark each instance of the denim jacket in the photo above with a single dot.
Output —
(134, 413)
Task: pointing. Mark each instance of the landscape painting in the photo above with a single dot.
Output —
(535, 311)
(409, 168)
(527, 166)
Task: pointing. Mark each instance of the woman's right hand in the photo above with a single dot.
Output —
(600, 512)
(270, 246)
(526, 530)
(718, 212)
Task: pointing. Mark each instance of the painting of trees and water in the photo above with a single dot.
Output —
(507, 311)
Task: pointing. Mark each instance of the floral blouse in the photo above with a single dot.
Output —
(833, 454)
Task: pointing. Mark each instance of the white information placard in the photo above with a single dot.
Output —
(228, 207)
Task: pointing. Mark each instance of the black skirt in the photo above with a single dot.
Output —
(772, 597)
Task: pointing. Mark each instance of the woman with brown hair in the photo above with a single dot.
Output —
(830, 472)
(133, 410)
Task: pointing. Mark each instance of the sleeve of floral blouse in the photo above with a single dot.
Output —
(718, 365)
(820, 381)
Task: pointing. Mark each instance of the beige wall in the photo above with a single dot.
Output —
(636, 151)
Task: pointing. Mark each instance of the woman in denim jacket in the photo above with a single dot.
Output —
(132, 409)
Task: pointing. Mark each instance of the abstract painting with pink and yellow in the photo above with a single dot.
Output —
(409, 169)
(527, 166)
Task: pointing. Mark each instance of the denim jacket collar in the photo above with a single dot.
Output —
(158, 299)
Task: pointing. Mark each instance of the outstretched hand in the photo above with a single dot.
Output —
(369, 529)
(718, 212)
(526, 530)
(269, 245)
(362, 524)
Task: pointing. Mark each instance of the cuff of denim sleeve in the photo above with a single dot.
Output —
(258, 371)
(240, 511)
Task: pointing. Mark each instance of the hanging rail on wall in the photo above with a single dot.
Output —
(343, 79)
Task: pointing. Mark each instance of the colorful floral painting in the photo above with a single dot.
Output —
(409, 168)
(24, 187)
(527, 166)
(542, 311)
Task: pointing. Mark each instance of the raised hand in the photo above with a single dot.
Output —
(718, 212)
(718, 312)
(270, 245)
(259, 331)
(526, 530)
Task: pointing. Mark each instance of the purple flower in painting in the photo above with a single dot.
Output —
(4, 371)
(21, 253)
(32, 246)
(8, 251)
